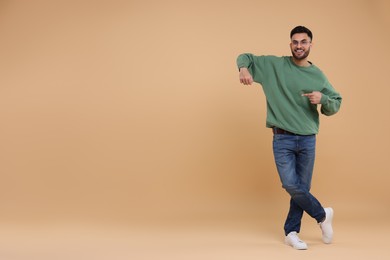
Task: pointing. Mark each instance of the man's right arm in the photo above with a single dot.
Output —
(249, 65)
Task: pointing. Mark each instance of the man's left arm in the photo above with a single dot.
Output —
(329, 99)
(330, 102)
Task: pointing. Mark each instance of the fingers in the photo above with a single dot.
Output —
(249, 81)
(246, 81)
(312, 94)
(314, 97)
(245, 76)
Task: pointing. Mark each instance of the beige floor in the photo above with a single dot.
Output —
(246, 236)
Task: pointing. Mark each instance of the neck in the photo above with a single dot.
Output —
(301, 63)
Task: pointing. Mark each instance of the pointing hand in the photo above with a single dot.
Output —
(314, 97)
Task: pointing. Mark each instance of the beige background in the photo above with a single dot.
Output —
(128, 115)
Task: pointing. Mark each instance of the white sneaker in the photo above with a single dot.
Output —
(293, 240)
(326, 226)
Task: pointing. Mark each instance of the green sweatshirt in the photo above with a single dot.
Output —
(283, 84)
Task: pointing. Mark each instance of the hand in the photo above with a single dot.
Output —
(314, 97)
(245, 76)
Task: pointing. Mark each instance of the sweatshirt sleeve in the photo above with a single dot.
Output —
(330, 101)
(255, 65)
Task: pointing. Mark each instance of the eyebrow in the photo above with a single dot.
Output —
(304, 40)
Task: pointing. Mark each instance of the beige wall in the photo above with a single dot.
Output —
(130, 110)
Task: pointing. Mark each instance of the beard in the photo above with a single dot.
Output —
(300, 56)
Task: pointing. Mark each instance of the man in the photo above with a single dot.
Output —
(293, 87)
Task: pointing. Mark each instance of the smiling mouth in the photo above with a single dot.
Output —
(299, 53)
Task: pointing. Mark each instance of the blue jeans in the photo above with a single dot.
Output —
(294, 158)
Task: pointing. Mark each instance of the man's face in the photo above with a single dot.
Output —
(300, 45)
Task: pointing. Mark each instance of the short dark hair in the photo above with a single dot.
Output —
(301, 29)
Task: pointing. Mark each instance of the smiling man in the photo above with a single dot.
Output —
(294, 87)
